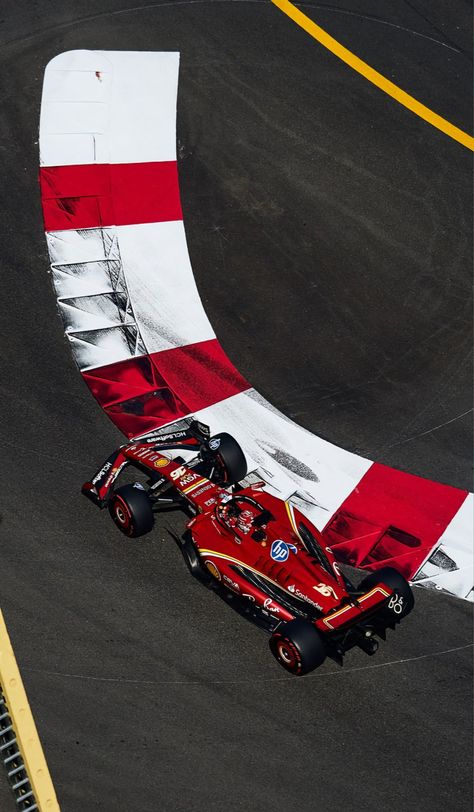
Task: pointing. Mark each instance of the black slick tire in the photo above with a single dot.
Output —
(230, 459)
(130, 509)
(298, 647)
(401, 602)
(193, 562)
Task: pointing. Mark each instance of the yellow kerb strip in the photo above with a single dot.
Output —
(372, 75)
(24, 726)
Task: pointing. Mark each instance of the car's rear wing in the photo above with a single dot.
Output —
(356, 611)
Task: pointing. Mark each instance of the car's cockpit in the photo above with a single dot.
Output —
(244, 516)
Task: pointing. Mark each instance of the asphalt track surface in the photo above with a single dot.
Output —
(329, 231)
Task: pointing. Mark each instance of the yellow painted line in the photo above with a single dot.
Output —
(24, 726)
(372, 75)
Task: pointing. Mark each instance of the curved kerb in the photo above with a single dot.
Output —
(145, 347)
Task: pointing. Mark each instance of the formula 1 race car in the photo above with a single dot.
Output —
(262, 554)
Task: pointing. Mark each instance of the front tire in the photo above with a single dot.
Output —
(402, 601)
(130, 509)
(298, 647)
(226, 453)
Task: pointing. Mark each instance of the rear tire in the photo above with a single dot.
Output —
(402, 601)
(225, 451)
(130, 509)
(298, 647)
(193, 562)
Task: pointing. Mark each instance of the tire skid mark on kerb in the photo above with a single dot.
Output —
(146, 349)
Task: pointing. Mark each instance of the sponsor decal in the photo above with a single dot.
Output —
(268, 604)
(138, 486)
(197, 483)
(110, 478)
(162, 462)
(308, 600)
(210, 502)
(295, 591)
(213, 569)
(232, 584)
(280, 550)
(250, 597)
(203, 490)
(214, 444)
(186, 480)
(106, 467)
(142, 453)
(114, 474)
(225, 497)
(172, 436)
(160, 438)
(396, 604)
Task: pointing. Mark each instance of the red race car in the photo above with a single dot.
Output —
(262, 554)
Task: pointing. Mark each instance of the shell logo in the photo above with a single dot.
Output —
(162, 462)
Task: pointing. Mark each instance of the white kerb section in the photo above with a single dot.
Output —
(455, 545)
(109, 107)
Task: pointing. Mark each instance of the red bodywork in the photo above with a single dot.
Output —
(264, 562)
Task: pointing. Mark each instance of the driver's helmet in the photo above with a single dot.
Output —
(244, 521)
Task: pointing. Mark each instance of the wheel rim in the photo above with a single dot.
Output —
(286, 654)
(222, 469)
(122, 514)
(121, 517)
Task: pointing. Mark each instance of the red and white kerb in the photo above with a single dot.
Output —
(119, 260)
(144, 345)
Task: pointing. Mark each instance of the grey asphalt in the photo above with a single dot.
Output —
(329, 231)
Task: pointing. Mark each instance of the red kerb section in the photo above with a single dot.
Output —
(143, 393)
(95, 195)
(392, 519)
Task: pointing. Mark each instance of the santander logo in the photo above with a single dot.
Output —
(297, 592)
